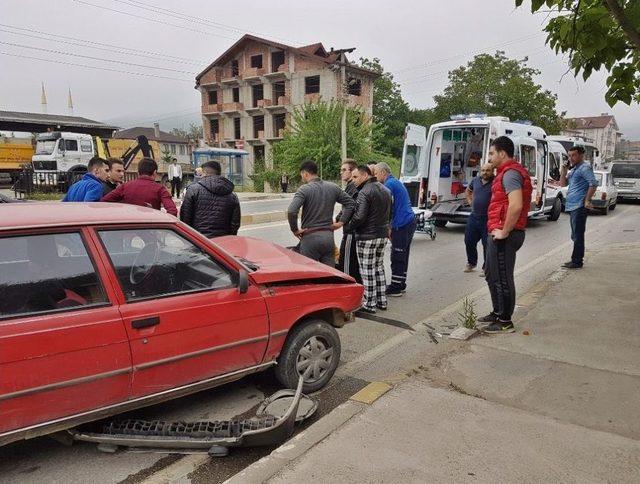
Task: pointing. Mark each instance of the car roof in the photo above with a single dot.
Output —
(57, 214)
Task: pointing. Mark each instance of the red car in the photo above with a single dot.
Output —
(105, 308)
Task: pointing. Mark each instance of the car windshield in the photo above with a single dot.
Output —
(45, 147)
(626, 170)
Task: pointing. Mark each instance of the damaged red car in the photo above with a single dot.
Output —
(106, 308)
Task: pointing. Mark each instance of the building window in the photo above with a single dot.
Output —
(173, 149)
(279, 123)
(278, 91)
(258, 125)
(236, 94)
(213, 97)
(277, 59)
(354, 86)
(235, 69)
(236, 128)
(256, 61)
(312, 84)
(258, 94)
(182, 150)
(165, 148)
(215, 128)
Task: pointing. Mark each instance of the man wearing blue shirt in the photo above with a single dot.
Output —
(403, 226)
(582, 185)
(478, 196)
(89, 188)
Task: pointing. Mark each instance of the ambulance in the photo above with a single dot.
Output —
(439, 163)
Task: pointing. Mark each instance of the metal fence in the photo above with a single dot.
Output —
(27, 182)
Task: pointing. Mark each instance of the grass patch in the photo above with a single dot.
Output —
(44, 196)
(467, 317)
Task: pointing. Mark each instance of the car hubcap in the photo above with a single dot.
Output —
(314, 359)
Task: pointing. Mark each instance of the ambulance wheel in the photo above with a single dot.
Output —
(555, 210)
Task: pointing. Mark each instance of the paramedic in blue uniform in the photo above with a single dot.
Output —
(403, 226)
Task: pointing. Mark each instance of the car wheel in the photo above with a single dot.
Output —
(441, 223)
(555, 210)
(312, 350)
(605, 210)
(613, 207)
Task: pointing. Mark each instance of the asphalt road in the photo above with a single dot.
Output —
(436, 280)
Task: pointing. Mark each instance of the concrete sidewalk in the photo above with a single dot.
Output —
(557, 402)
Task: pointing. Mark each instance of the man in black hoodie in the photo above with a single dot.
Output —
(210, 206)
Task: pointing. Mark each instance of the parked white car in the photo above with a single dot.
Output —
(606, 195)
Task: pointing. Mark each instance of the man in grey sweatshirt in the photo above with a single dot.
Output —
(317, 199)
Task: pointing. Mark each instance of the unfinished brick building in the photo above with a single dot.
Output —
(250, 91)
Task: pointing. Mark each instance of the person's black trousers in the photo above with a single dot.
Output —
(176, 186)
(400, 247)
(348, 260)
(499, 266)
(475, 231)
(578, 227)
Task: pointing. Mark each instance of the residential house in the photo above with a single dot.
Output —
(250, 91)
(602, 130)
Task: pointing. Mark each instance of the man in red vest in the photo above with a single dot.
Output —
(507, 219)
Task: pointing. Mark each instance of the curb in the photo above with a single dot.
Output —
(263, 217)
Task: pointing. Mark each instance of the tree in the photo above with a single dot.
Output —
(314, 133)
(498, 86)
(193, 135)
(390, 112)
(598, 34)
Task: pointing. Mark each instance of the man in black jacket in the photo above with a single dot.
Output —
(210, 206)
(370, 222)
(348, 260)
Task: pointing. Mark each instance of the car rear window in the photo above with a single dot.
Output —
(42, 273)
(626, 170)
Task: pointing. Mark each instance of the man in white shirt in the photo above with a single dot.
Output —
(175, 177)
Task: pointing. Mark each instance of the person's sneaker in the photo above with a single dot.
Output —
(469, 268)
(571, 265)
(394, 292)
(489, 318)
(381, 307)
(367, 310)
(500, 327)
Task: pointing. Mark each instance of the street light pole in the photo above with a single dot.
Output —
(343, 123)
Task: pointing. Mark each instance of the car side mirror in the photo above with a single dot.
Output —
(243, 281)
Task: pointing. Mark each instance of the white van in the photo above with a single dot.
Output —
(438, 165)
(61, 151)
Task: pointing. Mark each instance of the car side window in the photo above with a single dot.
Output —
(159, 262)
(41, 273)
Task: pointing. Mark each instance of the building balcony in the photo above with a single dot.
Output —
(277, 136)
(230, 78)
(232, 108)
(258, 138)
(211, 78)
(281, 105)
(312, 98)
(280, 74)
(253, 75)
(212, 109)
(263, 103)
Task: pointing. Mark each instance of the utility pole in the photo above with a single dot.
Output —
(43, 100)
(343, 97)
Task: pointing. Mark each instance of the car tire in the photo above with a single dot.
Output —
(305, 351)
(556, 210)
(613, 207)
(441, 223)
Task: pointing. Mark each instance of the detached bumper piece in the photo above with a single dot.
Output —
(216, 436)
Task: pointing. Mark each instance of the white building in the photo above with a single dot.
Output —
(601, 130)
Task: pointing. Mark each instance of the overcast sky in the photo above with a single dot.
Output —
(418, 41)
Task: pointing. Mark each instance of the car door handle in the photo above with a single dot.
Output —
(145, 323)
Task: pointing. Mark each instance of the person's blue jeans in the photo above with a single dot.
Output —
(578, 227)
(475, 231)
(400, 247)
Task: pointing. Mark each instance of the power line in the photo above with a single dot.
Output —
(193, 18)
(82, 42)
(54, 61)
(95, 58)
(153, 20)
(478, 51)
